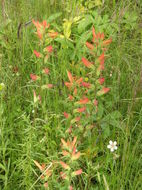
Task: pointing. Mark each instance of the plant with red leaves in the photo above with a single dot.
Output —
(43, 56)
(46, 49)
(70, 155)
(84, 96)
(82, 102)
(98, 41)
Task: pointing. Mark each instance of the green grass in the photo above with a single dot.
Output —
(27, 136)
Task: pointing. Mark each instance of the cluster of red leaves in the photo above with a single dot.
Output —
(42, 32)
(41, 28)
(69, 152)
(75, 84)
(98, 40)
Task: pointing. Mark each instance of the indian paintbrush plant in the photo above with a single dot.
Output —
(43, 57)
(70, 155)
(84, 95)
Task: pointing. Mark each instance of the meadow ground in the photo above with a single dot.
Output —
(31, 129)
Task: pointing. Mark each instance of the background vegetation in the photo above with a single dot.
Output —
(21, 142)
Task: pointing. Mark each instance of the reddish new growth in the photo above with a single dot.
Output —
(37, 54)
(34, 77)
(87, 63)
(46, 71)
(49, 49)
(71, 154)
(98, 39)
(73, 82)
(36, 98)
(46, 172)
(98, 42)
(41, 27)
(42, 31)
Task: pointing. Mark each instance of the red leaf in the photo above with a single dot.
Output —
(64, 165)
(46, 185)
(49, 85)
(71, 97)
(80, 110)
(65, 153)
(70, 76)
(107, 42)
(84, 101)
(90, 46)
(53, 34)
(49, 49)
(33, 77)
(68, 84)
(102, 58)
(95, 102)
(103, 91)
(78, 172)
(63, 175)
(87, 63)
(37, 54)
(85, 84)
(64, 143)
(66, 115)
(79, 80)
(46, 71)
(101, 80)
(74, 141)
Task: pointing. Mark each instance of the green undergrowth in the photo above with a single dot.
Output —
(26, 136)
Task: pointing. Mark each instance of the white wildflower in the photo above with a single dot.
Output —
(112, 146)
(2, 85)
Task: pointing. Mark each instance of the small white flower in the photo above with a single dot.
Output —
(110, 74)
(112, 146)
(2, 85)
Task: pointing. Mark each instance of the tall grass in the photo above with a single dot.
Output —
(24, 138)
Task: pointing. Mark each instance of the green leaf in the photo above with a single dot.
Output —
(54, 17)
(105, 183)
(2, 167)
(84, 23)
(2, 177)
(106, 130)
(100, 111)
(67, 28)
(112, 119)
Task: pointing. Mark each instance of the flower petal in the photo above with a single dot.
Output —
(110, 142)
(109, 146)
(115, 143)
(115, 147)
